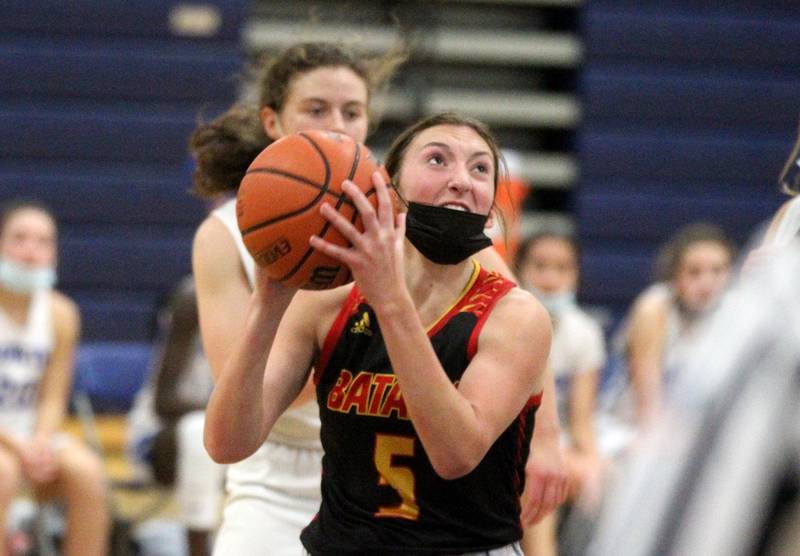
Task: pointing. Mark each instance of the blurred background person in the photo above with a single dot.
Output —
(39, 330)
(547, 265)
(693, 270)
(166, 421)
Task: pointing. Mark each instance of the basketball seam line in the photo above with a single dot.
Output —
(309, 249)
(323, 189)
(326, 226)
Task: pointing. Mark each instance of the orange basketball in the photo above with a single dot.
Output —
(277, 206)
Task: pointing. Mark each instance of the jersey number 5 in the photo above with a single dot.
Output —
(398, 477)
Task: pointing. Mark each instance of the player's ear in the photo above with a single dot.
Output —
(270, 123)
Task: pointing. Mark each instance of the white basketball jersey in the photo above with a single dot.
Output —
(25, 351)
(298, 426)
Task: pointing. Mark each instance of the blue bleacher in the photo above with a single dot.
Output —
(107, 193)
(690, 109)
(693, 34)
(110, 19)
(123, 71)
(96, 105)
(129, 132)
(111, 373)
(633, 94)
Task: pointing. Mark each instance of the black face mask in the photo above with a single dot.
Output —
(444, 235)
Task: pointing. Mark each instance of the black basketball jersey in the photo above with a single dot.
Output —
(380, 494)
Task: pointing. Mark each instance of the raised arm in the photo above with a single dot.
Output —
(245, 404)
(222, 291)
(458, 425)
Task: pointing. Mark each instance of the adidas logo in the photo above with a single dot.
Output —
(362, 326)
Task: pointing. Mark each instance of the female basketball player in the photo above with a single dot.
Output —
(39, 330)
(275, 493)
(425, 372)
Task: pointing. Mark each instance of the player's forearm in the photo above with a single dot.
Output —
(50, 418)
(444, 420)
(547, 421)
(235, 421)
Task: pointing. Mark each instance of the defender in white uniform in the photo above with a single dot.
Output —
(39, 330)
(277, 489)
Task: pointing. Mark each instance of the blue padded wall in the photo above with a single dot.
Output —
(690, 110)
(97, 102)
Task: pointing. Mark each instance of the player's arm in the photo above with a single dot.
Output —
(582, 395)
(457, 426)
(222, 291)
(222, 294)
(249, 396)
(546, 475)
(179, 330)
(646, 337)
(57, 380)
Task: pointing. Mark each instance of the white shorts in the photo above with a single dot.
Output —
(198, 479)
(272, 496)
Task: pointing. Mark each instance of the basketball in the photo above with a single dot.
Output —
(278, 203)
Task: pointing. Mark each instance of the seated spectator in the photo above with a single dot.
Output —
(167, 419)
(694, 268)
(39, 331)
(547, 266)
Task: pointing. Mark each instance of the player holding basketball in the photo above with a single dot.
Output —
(39, 330)
(275, 492)
(425, 369)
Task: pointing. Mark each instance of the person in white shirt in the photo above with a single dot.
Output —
(39, 330)
(547, 266)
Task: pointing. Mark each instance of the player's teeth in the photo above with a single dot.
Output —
(456, 207)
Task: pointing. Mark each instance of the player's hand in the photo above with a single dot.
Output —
(545, 482)
(267, 289)
(375, 256)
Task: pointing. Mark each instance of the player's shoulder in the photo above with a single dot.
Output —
(519, 308)
(320, 302)
(63, 306)
(211, 231)
(214, 251)
(65, 314)
(656, 300)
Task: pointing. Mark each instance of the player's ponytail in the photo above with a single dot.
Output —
(224, 148)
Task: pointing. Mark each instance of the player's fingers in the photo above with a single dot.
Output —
(400, 226)
(385, 208)
(341, 254)
(365, 209)
(342, 224)
(550, 500)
